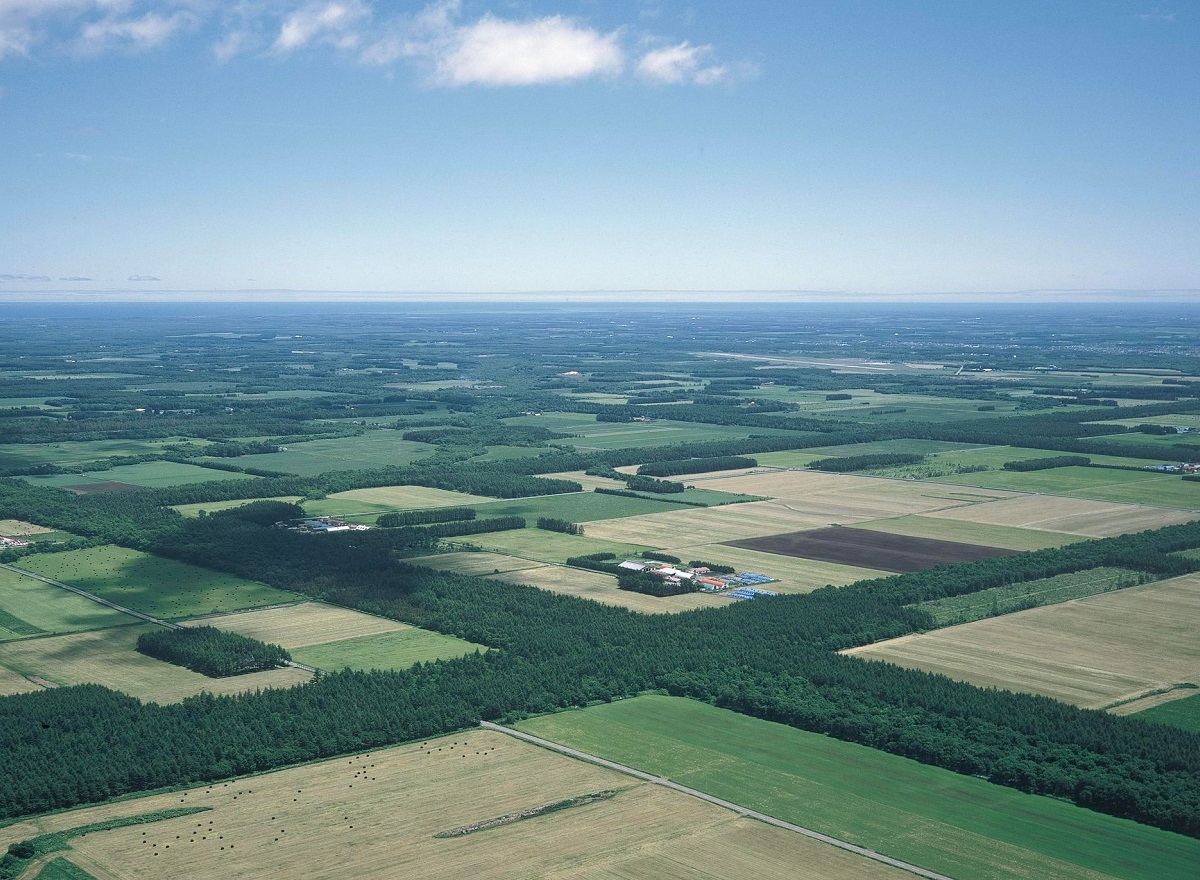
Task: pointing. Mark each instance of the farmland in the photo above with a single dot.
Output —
(966, 828)
(398, 649)
(603, 588)
(379, 811)
(30, 607)
(1184, 713)
(109, 657)
(869, 549)
(1075, 516)
(160, 587)
(74, 453)
(1009, 537)
(1135, 487)
(371, 449)
(1092, 652)
(157, 474)
(368, 502)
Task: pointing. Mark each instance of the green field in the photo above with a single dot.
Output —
(1134, 487)
(30, 607)
(390, 650)
(1184, 714)
(161, 587)
(1006, 599)
(153, 474)
(967, 828)
(595, 435)
(193, 510)
(580, 507)
(69, 453)
(373, 449)
(967, 532)
(61, 869)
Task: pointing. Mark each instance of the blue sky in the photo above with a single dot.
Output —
(348, 145)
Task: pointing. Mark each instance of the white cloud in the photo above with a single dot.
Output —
(145, 32)
(333, 23)
(495, 52)
(676, 65)
(143, 278)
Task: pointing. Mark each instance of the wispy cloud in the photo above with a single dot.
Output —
(5, 277)
(449, 47)
(1156, 15)
(143, 278)
(684, 63)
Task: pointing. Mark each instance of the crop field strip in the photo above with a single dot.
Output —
(163, 588)
(377, 814)
(12, 682)
(153, 474)
(377, 448)
(1182, 713)
(870, 549)
(30, 607)
(1091, 652)
(1133, 487)
(964, 827)
(1077, 516)
(109, 657)
(968, 532)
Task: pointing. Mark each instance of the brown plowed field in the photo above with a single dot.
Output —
(869, 549)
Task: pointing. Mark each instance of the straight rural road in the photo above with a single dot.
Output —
(113, 605)
(729, 805)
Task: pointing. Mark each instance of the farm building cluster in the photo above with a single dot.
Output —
(8, 543)
(321, 525)
(740, 586)
(1183, 468)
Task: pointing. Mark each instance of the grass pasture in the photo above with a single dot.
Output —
(593, 436)
(580, 507)
(543, 546)
(398, 649)
(1092, 652)
(15, 528)
(148, 474)
(372, 502)
(376, 814)
(967, 828)
(160, 587)
(14, 683)
(1133, 487)
(1184, 713)
(70, 453)
(109, 657)
(1074, 516)
(193, 510)
(29, 607)
(372, 449)
(478, 564)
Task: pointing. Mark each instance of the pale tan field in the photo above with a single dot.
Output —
(843, 498)
(108, 657)
(402, 497)
(474, 563)
(14, 683)
(374, 816)
(15, 528)
(793, 574)
(1077, 516)
(587, 480)
(1091, 652)
(707, 525)
(603, 588)
(295, 626)
(943, 528)
(1132, 707)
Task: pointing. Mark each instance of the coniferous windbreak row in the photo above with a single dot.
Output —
(1045, 464)
(850, 463)
(211, 651)
(696, 466)
(424, 517)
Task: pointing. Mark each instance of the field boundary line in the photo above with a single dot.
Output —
(728, 805)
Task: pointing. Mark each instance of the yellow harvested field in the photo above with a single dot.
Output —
(603, 588)
(375, 816)
(1076, 516)
(707, 525)
(109, 657)
(1092, 652)
(403, 497)
(842, 498)
(474, 563)
(587, 480)
(792, 573)
(296, 626)
(15, 528)
(14, 683)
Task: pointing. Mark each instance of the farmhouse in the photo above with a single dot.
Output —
(13, 542)
(327, 524)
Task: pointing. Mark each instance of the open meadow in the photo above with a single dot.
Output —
(964, 827)
(29, 607)
(160, 587)
(1092, 652)
(71, 453)
(377, 814)
(12, 682)
(371, 449)
(1134, 487)
(109, 657)
(148, 474)
(387, 498)
(1183, 712)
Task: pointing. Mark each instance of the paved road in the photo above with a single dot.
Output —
(113, 605)
(729, 805)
